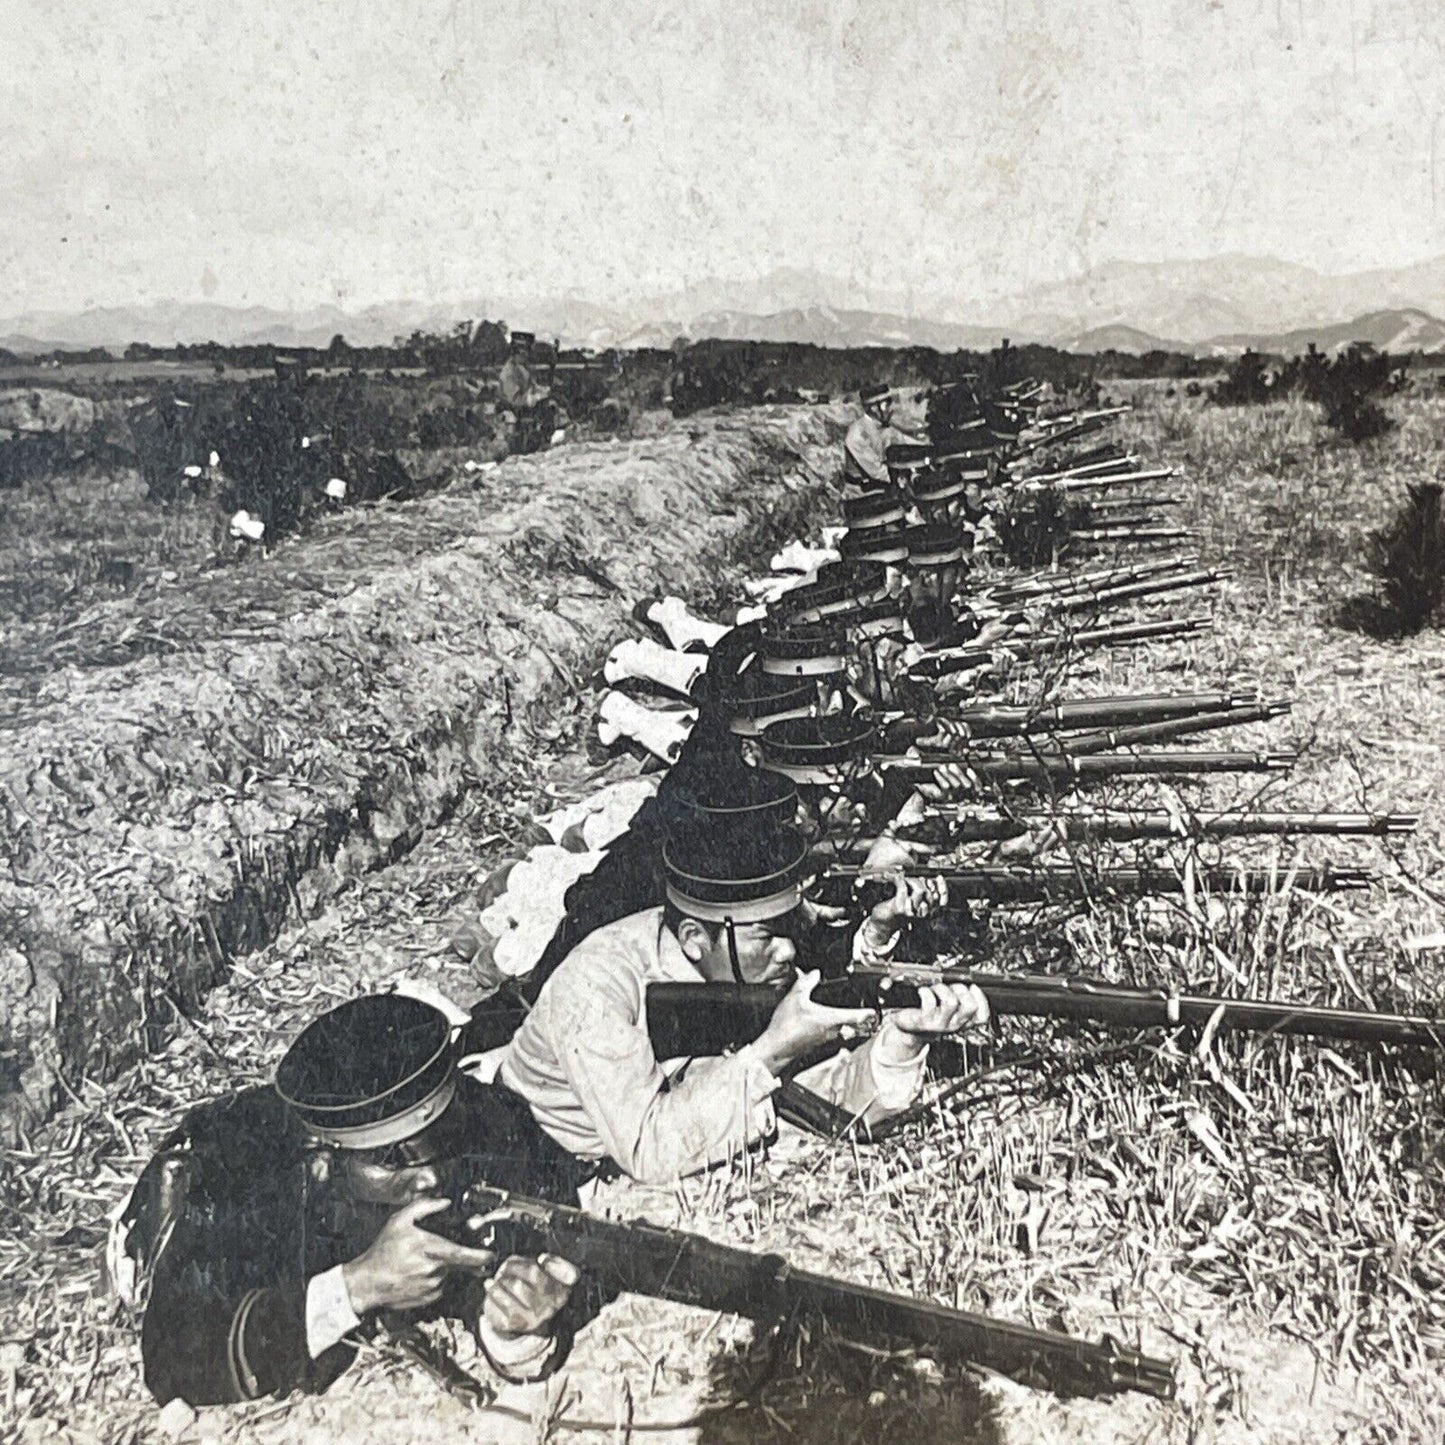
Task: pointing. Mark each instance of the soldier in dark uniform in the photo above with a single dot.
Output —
(275, 1224)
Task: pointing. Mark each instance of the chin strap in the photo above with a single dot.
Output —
(732, 934)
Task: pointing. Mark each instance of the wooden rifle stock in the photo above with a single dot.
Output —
(1064, 768)
(942, 663)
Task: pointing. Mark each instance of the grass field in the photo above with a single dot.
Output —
(1269, 1214)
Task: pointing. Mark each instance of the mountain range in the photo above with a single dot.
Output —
(1218, 305)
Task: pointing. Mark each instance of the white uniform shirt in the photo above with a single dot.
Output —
(584, 1063)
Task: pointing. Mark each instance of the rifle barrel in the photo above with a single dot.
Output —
(1103, 740)
(999, 883)
(941, 663)
(1098, 1001)
(1132, 534)
(1064, 767)
(1049, 583)
(1123, 826)
(1001, 721)
(1145, 587)
(1101, 482)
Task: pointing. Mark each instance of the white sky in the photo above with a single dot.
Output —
(292, 152)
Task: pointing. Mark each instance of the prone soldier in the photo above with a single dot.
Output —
(734, 913)
(277, 1222)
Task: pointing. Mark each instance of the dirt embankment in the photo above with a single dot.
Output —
(230, 753)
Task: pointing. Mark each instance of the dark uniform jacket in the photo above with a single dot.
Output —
(231, 1222)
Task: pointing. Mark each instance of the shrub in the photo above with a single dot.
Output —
(1247, 382)
(1346, 389)
(1408, 559)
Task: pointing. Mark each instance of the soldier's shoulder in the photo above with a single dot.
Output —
(242, 1123)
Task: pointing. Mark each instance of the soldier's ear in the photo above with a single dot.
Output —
(693, 939)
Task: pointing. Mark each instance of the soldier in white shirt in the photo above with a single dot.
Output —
(735, 912)
(868, 439)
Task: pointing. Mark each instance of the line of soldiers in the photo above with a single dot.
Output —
(277, 1224)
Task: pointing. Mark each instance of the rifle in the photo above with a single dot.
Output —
(1085, 425)
(843, 883)
(671, 1264)
(1118, 462)
(1065, 768)
(1055, 482)
(695, 1020)
(997, 720)
(1104, 740)
(945, 825)
(1132, 533)
(1120, 512)
(1080, 599)
(1119, 504)
(1048, 583)
(961, 659)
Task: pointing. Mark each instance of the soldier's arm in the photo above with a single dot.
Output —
(211, 1343)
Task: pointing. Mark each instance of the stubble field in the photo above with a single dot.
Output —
(1267, 1213)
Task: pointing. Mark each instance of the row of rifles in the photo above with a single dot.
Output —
(909, 682)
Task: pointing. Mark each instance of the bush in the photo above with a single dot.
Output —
(1247, 382)
(1408, 559)
(1346, 388)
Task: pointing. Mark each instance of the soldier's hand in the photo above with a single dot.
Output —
(951, 782)
(799, 1026)
(947, 733)
(406, 1266)
(823, 914)
(1035, 842)
(887, 853)
(944, 1008)
(525, 1295)
(913, 811)
(904, 658)
(911, 898)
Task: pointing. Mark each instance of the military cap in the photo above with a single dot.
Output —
(907, 456)
(722, 873)
(751, 800)
(804, 650)
(873, 509)
(756, 697)
(874, 391)
(820, 749)
(370, 1073)
(522, 338)
(933, 545)
(877, 544)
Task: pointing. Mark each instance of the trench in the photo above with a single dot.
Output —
(164, 816)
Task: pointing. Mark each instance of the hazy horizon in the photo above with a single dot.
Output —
(298, 155)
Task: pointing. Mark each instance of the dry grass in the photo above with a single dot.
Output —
(1271, 1214)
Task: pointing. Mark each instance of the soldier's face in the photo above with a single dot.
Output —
(766, 951)
(370, 1180)
(395, 1175)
